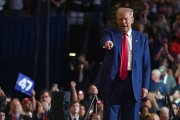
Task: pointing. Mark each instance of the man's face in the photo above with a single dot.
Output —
(176, 94)
(124, 21)
(155, 77)
(2, 116)
(164, 115)
(75, 108)
(15, 106)
(82, 110)
(27, 106)
(93, 90)
(45, 98)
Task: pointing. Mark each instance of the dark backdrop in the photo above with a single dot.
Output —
(23, 49)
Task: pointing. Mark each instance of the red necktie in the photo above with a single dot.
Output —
(45, 117)
(14, 117)
(124, 58)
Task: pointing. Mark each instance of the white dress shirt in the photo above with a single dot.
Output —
(129, 37)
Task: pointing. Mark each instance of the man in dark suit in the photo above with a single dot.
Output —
(125, 73)
(74, 109)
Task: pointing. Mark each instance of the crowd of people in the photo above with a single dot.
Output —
(158, 19)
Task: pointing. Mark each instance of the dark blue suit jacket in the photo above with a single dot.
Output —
(140, 62)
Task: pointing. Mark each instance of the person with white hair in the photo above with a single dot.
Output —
(156, 84)
(164, 113)
(157, 87)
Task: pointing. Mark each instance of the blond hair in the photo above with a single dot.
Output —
(123, 10)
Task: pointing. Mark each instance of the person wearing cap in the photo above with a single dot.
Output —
(27, 107)
(124, 75)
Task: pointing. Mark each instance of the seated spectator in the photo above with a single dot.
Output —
(3, 102)
(82, 111)
(175, 108)
(157, 87)
(152, 117)
(16, 7)
(164, 113)
(2, 3)
(168, 80)
(144, 111)
(176, 97)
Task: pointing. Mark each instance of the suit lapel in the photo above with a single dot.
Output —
(118, 40)
(135, 44)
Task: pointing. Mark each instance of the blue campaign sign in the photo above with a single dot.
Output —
(24, 84)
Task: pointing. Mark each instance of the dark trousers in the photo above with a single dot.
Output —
(120, 104)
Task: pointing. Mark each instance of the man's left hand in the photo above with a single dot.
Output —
(144, 92)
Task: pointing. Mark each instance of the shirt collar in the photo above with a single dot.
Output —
(76, 116)
(129, 33)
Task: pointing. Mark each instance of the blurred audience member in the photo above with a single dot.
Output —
(164, 113)
(57, 7)
(156, 84)
(164, 53)
(2, 3)
(176, 97)
(168, 80)
(176, 5)
(27, 107)
(16, 111)
(76, 96)
(43, 112)
(2, 115)
(153, 116)
(157, 87)
(45, 97)
(82, 111)
(16, 7)
(144, 111)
